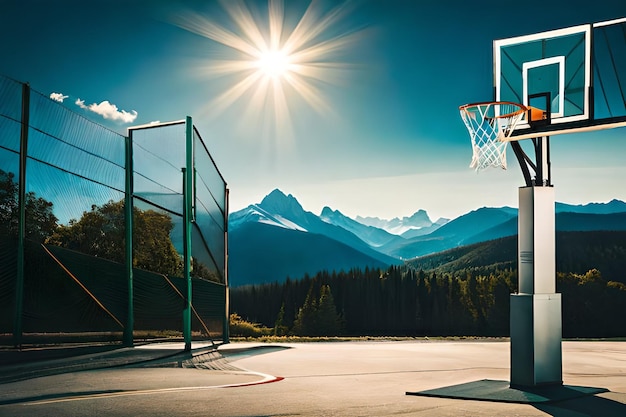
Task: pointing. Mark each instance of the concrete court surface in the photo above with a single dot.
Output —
(321, 379)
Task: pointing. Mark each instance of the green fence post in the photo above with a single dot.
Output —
(226, 323)
(128, 214)
(187, 217)
(21, 229)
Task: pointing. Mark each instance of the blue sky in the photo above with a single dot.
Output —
(388, 139)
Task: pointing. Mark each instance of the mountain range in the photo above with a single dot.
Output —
(277, 238)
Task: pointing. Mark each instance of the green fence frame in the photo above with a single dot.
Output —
(189, 198)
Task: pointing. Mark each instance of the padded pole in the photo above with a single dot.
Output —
(535, 319)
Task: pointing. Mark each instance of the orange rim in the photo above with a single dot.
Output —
(522, 108)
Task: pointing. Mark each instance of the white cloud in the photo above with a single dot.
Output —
(109, 111)
(58, 97)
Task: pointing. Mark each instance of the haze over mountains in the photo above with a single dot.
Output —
(277, 238)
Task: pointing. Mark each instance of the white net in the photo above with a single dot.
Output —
(489, 124)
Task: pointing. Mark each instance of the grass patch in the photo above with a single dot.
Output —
(312, 339)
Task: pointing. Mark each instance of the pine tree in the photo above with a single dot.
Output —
(328, 321)
(305, 323)
(279, 327)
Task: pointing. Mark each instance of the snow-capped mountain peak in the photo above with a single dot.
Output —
(278, 202)
(275, 219)
(373, 236)
(254, 213)
(396, 225)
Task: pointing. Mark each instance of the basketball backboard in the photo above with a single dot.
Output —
(576, 75)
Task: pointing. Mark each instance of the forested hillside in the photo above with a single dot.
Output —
(576, 252)
(458, 292)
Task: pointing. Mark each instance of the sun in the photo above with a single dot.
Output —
(274, 58)
(275, 63)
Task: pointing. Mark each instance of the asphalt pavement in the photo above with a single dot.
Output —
(313, 379)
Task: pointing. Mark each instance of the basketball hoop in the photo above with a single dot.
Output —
(489, 125)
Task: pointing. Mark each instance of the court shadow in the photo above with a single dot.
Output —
(555, 400)
(585, 406)
(236, 354)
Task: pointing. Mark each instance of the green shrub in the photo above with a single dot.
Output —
(243, 328)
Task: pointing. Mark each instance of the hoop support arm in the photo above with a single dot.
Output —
(541, 166)
(522, 158)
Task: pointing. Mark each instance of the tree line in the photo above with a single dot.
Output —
(99, 232)
(402, 301)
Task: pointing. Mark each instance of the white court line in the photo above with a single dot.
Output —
(266, 379)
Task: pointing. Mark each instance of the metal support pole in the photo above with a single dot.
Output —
(539, 166)
(21, 228)
(524, 162)
(187, 217)
(542, 155)
(128, 213)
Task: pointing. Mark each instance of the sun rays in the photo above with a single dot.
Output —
(271, 60)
